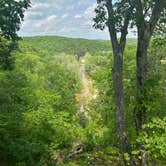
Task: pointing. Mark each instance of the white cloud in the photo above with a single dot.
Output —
(60, 17)
(39, 6)
(34, 14)
(51, 18)
(71, 7)
(78, 16)
(46, 24)
(89, 12)
(65, 15)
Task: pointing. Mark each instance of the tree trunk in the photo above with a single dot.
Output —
(119, 105)
(117, 74)
(141, 76)
(118, 97)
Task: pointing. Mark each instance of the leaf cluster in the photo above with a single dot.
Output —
(11, 15)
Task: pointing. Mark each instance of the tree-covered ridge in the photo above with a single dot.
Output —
(66, 45)
(57, 44)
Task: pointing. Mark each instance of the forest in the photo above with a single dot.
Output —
(106, 108)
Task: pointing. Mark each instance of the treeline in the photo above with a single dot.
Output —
(66, 45)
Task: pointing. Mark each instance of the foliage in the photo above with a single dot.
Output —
(156, 78)
(6, 48)
(11, 15)
(160, 30)
(65, 45)
(121, 11)
(37, 105)
(154, 138)
(98, 68)
(39, 120)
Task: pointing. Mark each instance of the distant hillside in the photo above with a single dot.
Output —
(55, 44)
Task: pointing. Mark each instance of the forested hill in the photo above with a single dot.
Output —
(80, 102)
(57, 44)
(60, 111)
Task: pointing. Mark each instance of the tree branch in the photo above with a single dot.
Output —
(140, 16)
(156, 12)
(146, 11)
(111, 23)
(124, 30)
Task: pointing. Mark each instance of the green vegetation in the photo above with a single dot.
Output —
(66, 45)
(37, 107)
(38, 103)
(11, 15)
(40, 122)
(147, 17)
(104, 108)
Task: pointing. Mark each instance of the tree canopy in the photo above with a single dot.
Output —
(11, 15)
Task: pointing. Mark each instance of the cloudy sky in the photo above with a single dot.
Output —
(71, 18)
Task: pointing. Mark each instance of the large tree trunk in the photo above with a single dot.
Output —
(140, 111)
(119, 105)
(119, 97)
(141, 76)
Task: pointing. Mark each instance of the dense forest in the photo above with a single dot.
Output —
(96, 110)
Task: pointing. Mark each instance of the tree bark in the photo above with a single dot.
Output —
(141, 76)
(120, 117)
(117, 73)
(118, 96)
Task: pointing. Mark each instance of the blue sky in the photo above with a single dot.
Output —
(71, 18)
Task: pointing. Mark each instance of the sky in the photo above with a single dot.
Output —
(70, 18)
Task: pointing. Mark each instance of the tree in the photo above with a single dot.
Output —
(116, 16)
(11, 15)
(148, 13)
